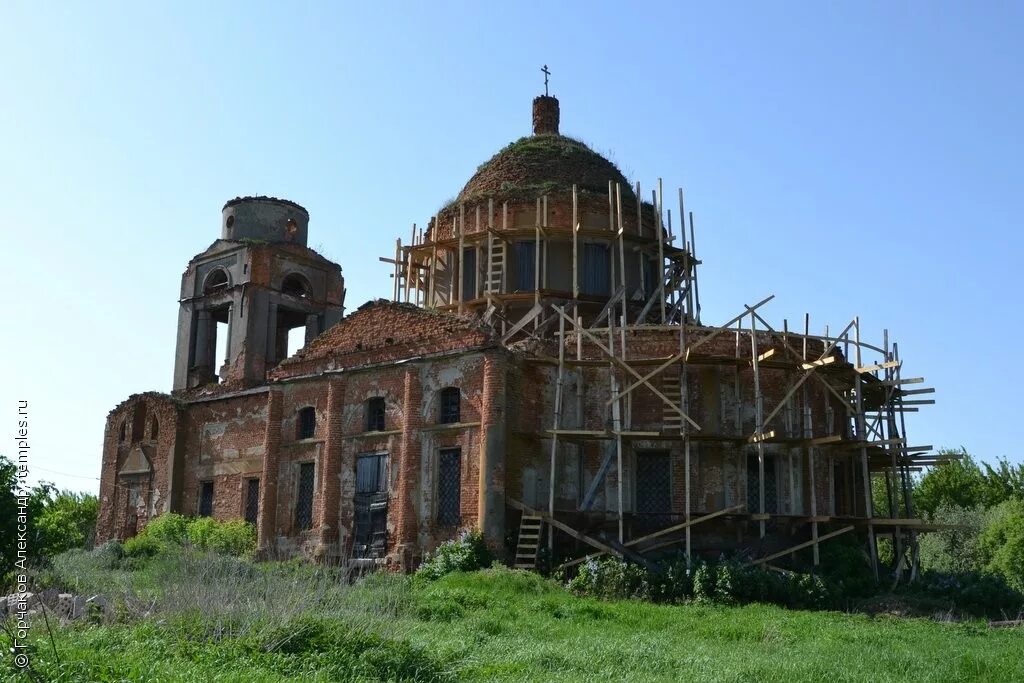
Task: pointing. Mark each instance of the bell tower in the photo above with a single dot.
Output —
(248, 290)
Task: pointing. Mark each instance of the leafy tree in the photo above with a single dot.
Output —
(57, 520)
(8, 513)
(965, 484)
(957, 483)
(1002, 542)
(1004, 481)
(954, 549)
(67, 520)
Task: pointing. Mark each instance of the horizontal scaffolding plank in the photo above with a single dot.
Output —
(827, 360)
(878, 366)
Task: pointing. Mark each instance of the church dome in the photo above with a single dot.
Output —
(543, 163)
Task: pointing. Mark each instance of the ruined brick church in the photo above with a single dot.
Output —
(541, 372)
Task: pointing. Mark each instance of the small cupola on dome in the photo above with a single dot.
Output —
(545, 115)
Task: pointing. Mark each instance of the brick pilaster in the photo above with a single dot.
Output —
(491, 500)
(267, 527)
(330, 478)
(409, 464)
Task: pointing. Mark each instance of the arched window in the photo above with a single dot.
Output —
(450, 398)
(295, 285)
(375, 412)
(307, 423)
(124, 431)
(154, 428)
(216, 281)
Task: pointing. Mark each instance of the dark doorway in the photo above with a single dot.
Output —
(371, 505)
(252, 500)
(206, 499)
(654, 486)
(771, 491)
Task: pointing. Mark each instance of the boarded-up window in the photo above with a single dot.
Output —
(449, 485)
(653, 483)
(252, 500)
(596, 273)
(307, 423)
(304, 499)
(468, 273)
(526, 270)
(450, 408)
(206, 499)
(375, 411)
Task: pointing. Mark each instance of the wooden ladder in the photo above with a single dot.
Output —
(529, 540)
(496, 266)
(671, 419)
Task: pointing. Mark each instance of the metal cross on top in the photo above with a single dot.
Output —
(546, 74)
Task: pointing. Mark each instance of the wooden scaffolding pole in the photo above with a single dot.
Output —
(575, 253)
(861, 434)
(462, 261)
(408, 263)
(536, 263)
(695, 279)
(808, 433)
(661, 250)
(616, 422)
(398, 269)
(558, 424)
(759, 430)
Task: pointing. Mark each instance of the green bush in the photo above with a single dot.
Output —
(199, 531)
(610, 578)
(143, 546)
(466, 553)
(724, 582)
(169, 527)
(973, 593)
(1001, 543)
(169, 530)
(236, 537)
(109, 555)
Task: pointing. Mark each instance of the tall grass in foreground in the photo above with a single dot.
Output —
(191, 616)
(228, 596)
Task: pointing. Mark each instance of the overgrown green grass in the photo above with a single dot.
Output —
(495, 624)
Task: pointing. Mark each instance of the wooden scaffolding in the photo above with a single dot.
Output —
(868, 385)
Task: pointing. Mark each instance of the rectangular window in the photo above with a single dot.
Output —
(449, 487)
(526, 270)
(653, 483)
(304, 499)
(468, 273)
(651, 275)
(206, 499)
(596, 273)
(375, 413)
(450, 400)
(252, 500)
(307, 423)
(771, 492)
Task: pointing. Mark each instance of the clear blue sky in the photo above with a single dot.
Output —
(854, 158)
